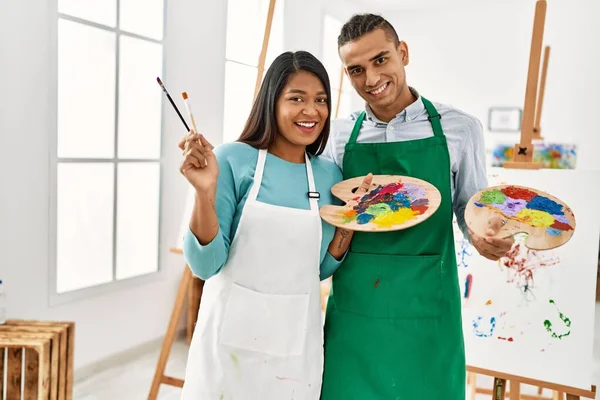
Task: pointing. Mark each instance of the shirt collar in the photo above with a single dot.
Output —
(411, 112)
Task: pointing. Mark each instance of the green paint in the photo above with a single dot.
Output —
(234, 359)
(492, 197)
(221, 397)
(563, 318)
(379, 209)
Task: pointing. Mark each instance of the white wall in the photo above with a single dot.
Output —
(299, 37)
(112, 322)
(477, 56)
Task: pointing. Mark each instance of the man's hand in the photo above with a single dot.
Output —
(492, 248)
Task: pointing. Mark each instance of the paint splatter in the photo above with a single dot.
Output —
(520, 264)
(233, 358)
(388, 205)
(283, 378)
(563, 318)
(528, 207)
(468, 286)
(509, 339)
(463, 253)
(478, 332)
(376, 283)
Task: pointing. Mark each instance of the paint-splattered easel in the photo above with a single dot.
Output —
(523, 159)
(189, 285)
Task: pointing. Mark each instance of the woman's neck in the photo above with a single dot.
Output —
(288, 151)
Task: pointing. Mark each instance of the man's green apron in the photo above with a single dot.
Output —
(393, 329)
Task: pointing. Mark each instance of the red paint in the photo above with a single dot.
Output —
(376, 283)
(507, 339)
(561, 226)
(420, 209)
(392, 188)
(518, 193)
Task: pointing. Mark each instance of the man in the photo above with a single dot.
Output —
(393, 328)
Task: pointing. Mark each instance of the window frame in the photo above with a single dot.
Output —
(54, 297)
(279, 5)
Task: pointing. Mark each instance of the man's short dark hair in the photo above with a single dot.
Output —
(361, 24)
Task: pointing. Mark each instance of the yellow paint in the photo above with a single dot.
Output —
(535, 218)
(387, 220)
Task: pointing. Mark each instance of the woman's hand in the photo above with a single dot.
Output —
(199, 165)
(343, 236)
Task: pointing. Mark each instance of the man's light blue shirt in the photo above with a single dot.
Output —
(464, 135)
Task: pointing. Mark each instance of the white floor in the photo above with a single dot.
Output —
(131, 381)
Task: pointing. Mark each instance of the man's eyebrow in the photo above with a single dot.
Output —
(380, 54)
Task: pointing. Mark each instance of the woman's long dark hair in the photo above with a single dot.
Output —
(261, 130)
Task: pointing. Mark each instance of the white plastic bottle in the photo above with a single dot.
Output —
(2, 303)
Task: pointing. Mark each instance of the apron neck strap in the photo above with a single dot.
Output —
(434, 117)
(260, 169)
(357, 126)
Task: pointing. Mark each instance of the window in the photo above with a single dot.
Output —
(331, 60)
(244, 44)
(107, 160)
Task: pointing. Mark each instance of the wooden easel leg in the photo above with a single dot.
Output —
(499, 389)
(472, 385)
(558, 395)
(572, 397)
(159, 374)
(515, 390)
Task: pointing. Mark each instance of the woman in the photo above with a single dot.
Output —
(257, 239)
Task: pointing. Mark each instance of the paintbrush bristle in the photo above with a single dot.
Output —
(159, 81)
(184, 95)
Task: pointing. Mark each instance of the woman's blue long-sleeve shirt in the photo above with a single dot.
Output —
(284, 184)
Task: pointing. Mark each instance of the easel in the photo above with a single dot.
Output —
(189, 285)
(499, 391)
(537, 129)
(523, 159)
(523, 151)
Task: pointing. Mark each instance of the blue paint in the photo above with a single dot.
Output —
(364, 218)
(553, 232)
(468, 283)
(477, 322)
(402, 200)
(479, 204)
(542, 203)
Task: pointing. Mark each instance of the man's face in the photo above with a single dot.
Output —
(375, 67)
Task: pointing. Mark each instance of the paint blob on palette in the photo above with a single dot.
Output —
(548, 221)
(393, 203)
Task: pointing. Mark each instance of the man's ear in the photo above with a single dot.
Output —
(403, 52)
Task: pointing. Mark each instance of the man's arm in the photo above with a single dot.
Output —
(471, 178)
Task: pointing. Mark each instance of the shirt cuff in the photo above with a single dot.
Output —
(329, 265)
(204, 260)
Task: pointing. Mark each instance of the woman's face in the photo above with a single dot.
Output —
(302, 109)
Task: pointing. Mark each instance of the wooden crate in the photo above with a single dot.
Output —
(36, 378)
(61, 351)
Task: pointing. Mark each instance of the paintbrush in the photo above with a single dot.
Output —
(189, 110)
(172, 103)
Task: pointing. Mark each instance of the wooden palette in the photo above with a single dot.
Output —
(548, 221)
(393, 203)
